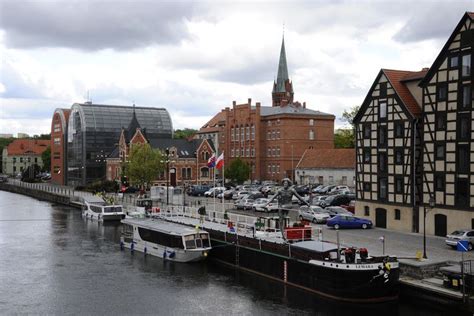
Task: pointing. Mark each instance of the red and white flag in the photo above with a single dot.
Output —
(220, 161)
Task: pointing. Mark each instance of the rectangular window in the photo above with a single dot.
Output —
(321, 180)
(439, 181)
(465, 99)
(440, 151)
(242, 133)
(56, 155)
(253, 132)
(57, 140)
(399, 184)
(383, 136)
(454, 62)
(398, 215)
(367, 187)
(237, 134)
(278, 134)
(382, 163)
(232, 135)
(366, 211)
(383, 188)
(331, 179)
(383, 109)
(442, 91)
(344, 180)
(367, 130)
(311, 135)
(311, 122)
(463, 160)
(399, 129)
(242, 152)
(253, 152)
(278, 151)
(367, 155)
(248, 132)
(21, 159)
(383, 89)
(57, 127)
(269, 135)
(399, 156)
(466, 66)
(464, 127)
(440, 121)
(269, 152)
(232, 152)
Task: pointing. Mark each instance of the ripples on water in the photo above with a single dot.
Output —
(52, 261)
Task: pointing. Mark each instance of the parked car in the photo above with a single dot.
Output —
(302, 189)
(316, 200)
(255, 195)
(239, 194)
(326, 189)
(337, 210)
(316, 188)
(198, 190)
(341, 221)
(3, 178)
(339, 188)
(213, 191)
(460, 234)
(244, 204)
(260, 205)
(228, 194)
(350, 207)
(313, 214)
(337, 200)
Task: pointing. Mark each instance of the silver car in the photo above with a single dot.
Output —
(461, 234)
(313, 214)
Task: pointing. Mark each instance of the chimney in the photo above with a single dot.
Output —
(234, 103)
(257, 104)
(304, 105)
(249, 101)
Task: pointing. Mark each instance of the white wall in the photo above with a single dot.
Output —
(312, 176)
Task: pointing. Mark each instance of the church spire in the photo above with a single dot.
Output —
(282, 87)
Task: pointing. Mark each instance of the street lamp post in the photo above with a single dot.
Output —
(167, 175)
(292, 168)
(431, 206)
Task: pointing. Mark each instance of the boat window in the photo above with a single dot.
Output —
(198, 243)
(160, 238)
(190, 242)
(127, 229)
(205, 240)
(96, 209)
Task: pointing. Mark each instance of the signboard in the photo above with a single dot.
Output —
(463, 246)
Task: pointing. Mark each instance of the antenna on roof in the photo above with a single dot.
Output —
(283, 30)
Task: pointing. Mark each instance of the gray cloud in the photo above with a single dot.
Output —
(17, 86)
(94, 25)
(433, 20)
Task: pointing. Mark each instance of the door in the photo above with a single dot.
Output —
(440, 225)
(381, 217)
(173, 177)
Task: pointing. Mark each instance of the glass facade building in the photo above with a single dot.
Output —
(94, 131)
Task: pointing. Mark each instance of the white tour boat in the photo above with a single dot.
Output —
(94, 207)
(170, 241)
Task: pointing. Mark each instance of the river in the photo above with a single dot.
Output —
(52, 261)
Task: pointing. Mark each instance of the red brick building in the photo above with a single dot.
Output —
(271, 139)
(58, 145)
(187, 158)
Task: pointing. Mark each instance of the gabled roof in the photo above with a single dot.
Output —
(132, 127)
(26, 146)
(396, 78)
(214, 121)
(339, 158)
(440, 58)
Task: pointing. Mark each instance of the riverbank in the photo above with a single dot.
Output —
(419, 279)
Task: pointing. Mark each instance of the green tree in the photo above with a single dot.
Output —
(46, 157)
(184, 133)
(344, 138)
(4, 142)
(238, 171)
(349, 115)
(144, 165)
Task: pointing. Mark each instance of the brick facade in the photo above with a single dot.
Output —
(59, 126)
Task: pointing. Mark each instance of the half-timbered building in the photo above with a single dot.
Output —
(387, 148)
(448, 147)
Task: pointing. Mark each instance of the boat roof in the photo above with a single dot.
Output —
(162, 226)
(314, 245)
(93, 199)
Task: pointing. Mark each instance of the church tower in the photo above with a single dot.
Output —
(282, 93)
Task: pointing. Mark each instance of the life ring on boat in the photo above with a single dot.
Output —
(155, 209)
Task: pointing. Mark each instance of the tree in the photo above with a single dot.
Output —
(238, 171)
(4, 142)
(184, 133)
(144, 164)
(349, 115)
(46, 157)
(344, 138)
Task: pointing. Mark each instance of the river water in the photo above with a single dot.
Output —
(52, 261)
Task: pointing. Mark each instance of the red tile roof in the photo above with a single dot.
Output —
(328, 158)
(24, 146)
(396, 78)
(209, 126)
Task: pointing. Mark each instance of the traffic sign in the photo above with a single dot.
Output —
(463, 245)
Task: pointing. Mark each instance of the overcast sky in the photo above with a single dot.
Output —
(195, 58)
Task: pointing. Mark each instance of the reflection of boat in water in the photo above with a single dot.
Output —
(170, 241)
(94, 207)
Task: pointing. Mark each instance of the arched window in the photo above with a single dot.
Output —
(204, 172)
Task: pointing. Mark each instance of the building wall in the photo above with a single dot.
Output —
(12, 165)
(457, 192)
(58, 146)
(328, 176)
(405, 222)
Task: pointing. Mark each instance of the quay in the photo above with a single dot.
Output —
(424, 280)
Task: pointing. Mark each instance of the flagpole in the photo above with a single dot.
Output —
(214, 191)
(223, 184)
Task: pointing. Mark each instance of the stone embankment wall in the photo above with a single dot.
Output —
(50, 193)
